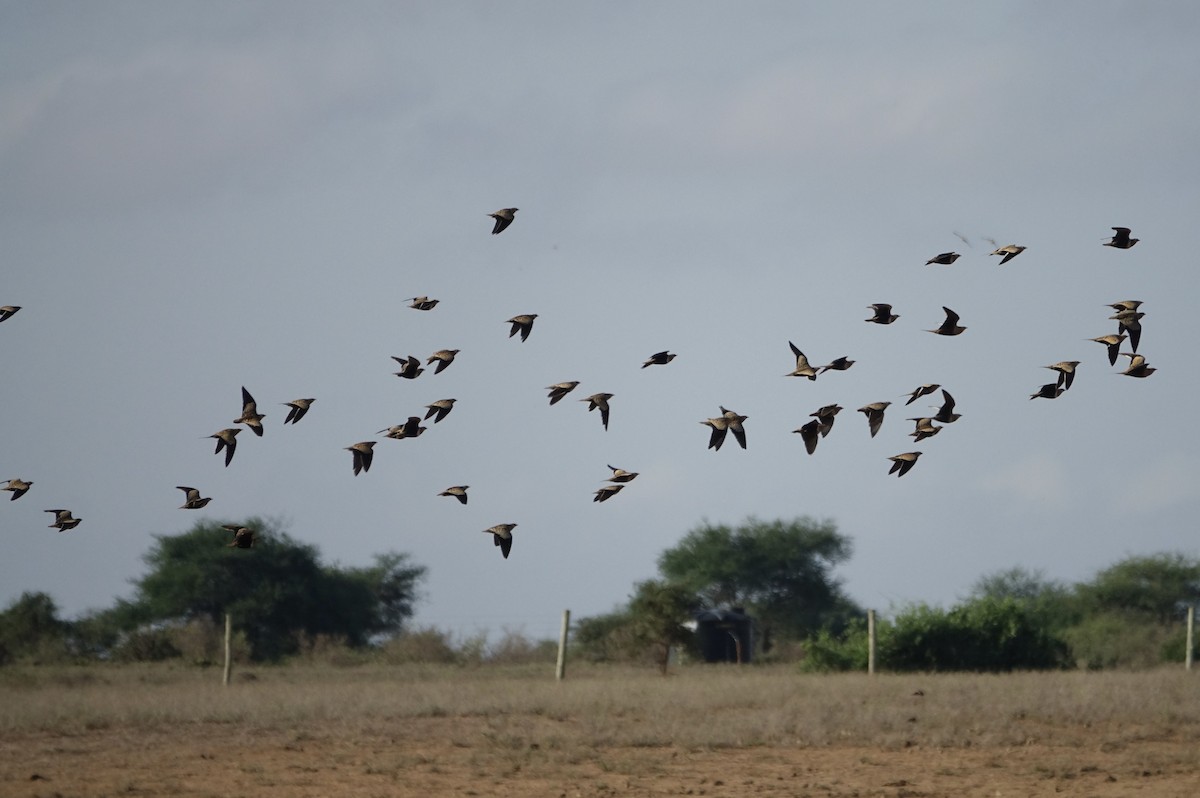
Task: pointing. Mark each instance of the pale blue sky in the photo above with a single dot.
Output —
(200, 196)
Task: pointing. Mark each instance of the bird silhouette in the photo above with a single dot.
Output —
(720, 427)
(560, 389)
(422, 303)
(733, 423)
(193, 501)
(502, 537)
(443, 358)
(19, 488)
(1137, 366)
(837, 364)
(298, 408)
(921, 390)
(874, 413)
(1051, 390)
(659, 359)
(825, 417)
(903, 463)
(250, 415)
(410, 367)
(411, 428)
(1113, 343)
(597, 400)
(1066, 372)
(1121, 239)
(227, 440)
(606, 492)
(521, 324)
(243, 537)
(924, 429)
(883, 313)
(944, 259)
(950, 325)
(1129, 321)
(811, 434)
(803, 369)
(1009, 252)
(63, 520)
(503, 217)
(457, 491)
(364, 453)
(441, 408)
(621, 475)
(7, 311)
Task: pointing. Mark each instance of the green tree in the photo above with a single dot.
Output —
(276, 591)
(659, 612)
(30, 627)
(780, 571)
(1052, 603)
(1158, 587)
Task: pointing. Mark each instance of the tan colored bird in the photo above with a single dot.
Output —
(1051, 390)
(243, 536)
(227, 440)
(606, 492)
(811, 434)
(250, 415)
(1121, 239)
(659, 359)
(1130, 321)
(63, 520)
(944, 259)
(441, 408)
(838, 364)
(599, 400)
(19, 488)
(410, 367)
(825, 416)
(950, 325)
(298, 408)
(1113, 342)
(733, 422)
(502, 537)
(560, 389)
(874, 413)
(803, 369)
(411, 428)
(621, 475)
(883, 313)
(1137, 366)
(1009, 252)
(1066, 372)
(903, 463)
(921, 390)
(522, 324)
(1125, 304)
(457, 491)
(193, 501)
(924, 429)
(945, 413)
(504, 217)
(8, 310)
(364, 453)
(443, 357)
(720, 427)
(422, 303)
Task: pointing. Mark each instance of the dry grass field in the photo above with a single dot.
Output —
(492, 731)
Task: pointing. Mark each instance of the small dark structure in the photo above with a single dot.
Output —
(725, 635)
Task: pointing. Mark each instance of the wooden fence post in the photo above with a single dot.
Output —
(1191, 626)
(871, 641)
(560, 669)
(228, 649)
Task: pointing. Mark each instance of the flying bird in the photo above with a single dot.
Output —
(733, 423)
(503, 217)
(1121, 239)
(227, 440)
(950, 325)
(621, 475)
(410, 367)
(811, 433)
(606, 492)
(63, 520)
(560, 389)
(945, 259)
(1009, 252)
(599, 400)
(825, 416)
(243, 537)
(903, 463)
(659, 359)
(1051, 390)
(945, 413)
(521, 324)
(1126, 304)
(457, 491)
(720, 426)
(874, 414)
(883, 313)
(1066, 372)
(838, 364)
(193, 501)
(19, 488)
(441, 408)
(803, 369)
(924, 429)
(1113, 342)
(1130, 321)
(364, 452)
(8, 310)
(250, 415)
(298, 408)
(422, 303)
(502, 537)
(411, 428)
(444, 358)
(1137, 366)
(921, 390)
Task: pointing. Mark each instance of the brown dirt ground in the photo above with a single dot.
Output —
(461, 756)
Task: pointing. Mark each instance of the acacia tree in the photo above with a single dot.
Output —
(781, 571)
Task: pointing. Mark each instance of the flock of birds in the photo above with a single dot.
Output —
(1127, 315)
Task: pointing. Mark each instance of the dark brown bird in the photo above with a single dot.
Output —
(903, 463)
(364, 453)
(502, 537)
(720, 426)
(1113, 342)
(1009, 252)
(243, 537)
(921, 390)
(733, 422)
(298, 408)
(443, 357)
(63, 520)
(457, 491)
(193, 501)
(422, 303)
(811, 433)
(521, 324)
(1137, 366)
(1051, 390)
(838, 364)
(883, 313)
(950, 325)
(441, 408)
(874, 413)
(410, 367)
(621, 475)
(1126, 304)
(825, 416)
(1066, 372)
(924, 429)
(560, 389)
(19, 488)
(598, 400)
(503, 217)
(606, 492)
(411, 428)
(227, 440)
(945, 413)
(250, 415)
(1130, 321)
(1121, 239)
(803, 369)
(8, 310)
(945, 259)
(659, 359)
